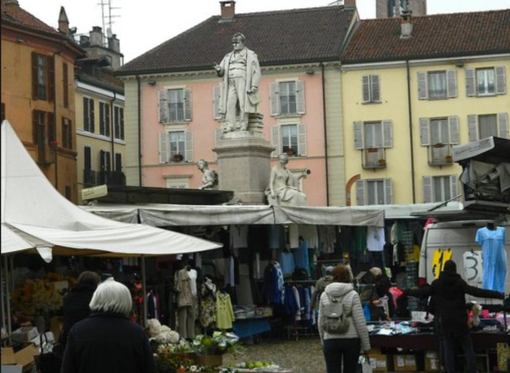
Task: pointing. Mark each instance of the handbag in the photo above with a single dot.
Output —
(364, 365)
(50, 357)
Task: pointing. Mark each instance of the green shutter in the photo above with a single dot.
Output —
(302, 139)
(189, 146)
(453, 124)
(423, 91)
(274, 99)
(470, 82)
(451, 86)
(163, 106)
(360, 192)
(424, 132)
(300, 97)
(163, 147)
(188, 105)
(500, 80)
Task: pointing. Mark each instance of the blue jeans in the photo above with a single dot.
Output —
(336, 350)
(450, 347)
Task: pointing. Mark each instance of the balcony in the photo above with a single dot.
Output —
(374, 158)
(89, 177)
(440, 155)
(111, 178)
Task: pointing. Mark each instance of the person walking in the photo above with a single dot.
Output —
(448, 296)
(345, 347)
(108, 341)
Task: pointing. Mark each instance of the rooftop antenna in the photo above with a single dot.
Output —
(107, 19)
(404, 7)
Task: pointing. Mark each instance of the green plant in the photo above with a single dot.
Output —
(217, 344)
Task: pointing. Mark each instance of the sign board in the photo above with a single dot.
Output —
(439, 258)
(94, 192)
(473, 268)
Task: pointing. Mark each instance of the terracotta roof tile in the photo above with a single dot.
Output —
(278, 37)
(16, 15)
(435, 36)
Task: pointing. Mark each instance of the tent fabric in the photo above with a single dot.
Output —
(328, 216)
(32, 206)
(12, 242)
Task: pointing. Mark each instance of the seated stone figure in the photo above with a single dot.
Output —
(283, 189)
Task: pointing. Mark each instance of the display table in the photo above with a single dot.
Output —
(245, 328)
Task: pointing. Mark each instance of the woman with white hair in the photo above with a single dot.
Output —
(108, 341)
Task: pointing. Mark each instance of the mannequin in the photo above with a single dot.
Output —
(208, 303)
(185, 286)
(492, 239)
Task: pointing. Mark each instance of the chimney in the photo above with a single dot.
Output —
(228, 10)
(350, 4)
(96, 37)
(406, 26)
(63, 22)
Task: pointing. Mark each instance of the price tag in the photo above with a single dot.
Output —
(473, 269)
(439, 258)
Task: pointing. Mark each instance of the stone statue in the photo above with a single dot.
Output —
(240, 70)
(210, 178)
(283, 187)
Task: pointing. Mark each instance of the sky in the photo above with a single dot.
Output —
(142, 25)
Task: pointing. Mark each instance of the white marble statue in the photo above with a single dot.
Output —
(283, 187)
(210, 178)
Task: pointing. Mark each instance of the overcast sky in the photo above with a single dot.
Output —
(143, 25)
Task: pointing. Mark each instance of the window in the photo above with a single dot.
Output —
(482, 126)
(119, 122)
(104, 119)
(89, 176)
(176, 146)
(439, 134)
(373, 138)
(287, 98)
(43, 135)
(439, 188)
(105, 168)
(2, 114)
(65, 83)
(437, 85)
(374, 192)
(290, 139)
(43, 77)
(118, 162)
(371, 89)
(487, 81)
(175, 105)
(88, 115)
(67, 133)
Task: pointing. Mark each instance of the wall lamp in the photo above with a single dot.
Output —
(310, 72)
(151, 82)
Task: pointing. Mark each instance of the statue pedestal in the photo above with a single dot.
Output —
(244, 165)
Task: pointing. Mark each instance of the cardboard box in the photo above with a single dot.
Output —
(25, 334)
(12, 369)
(56, 325)
(379, 361)
(432, 363)
(405, 363)
(210, 360)
(25, 356)
(8, 357)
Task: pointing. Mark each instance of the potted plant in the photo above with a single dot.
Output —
(448, 159)
(177, 157)
(290, 152)
(382, 162)
(210, 349)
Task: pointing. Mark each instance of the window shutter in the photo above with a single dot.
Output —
(275, 136)
(470, 82)
(300, 97)
(102, 163)
(388, 134)
(217, 137)
(360, 192)
(108, 123)
(34, 76)
(163, 147)
(188, 105)
(376, 91)
(51, 78)
(472, 127)
(92, 104)
(52, 130)
(163, 106)
(451, 76)
(216, 102)
(453, 123)
(274, 98)
(503, 125)
(101, 119)
(302, 139)
(453, 186)
(35, 127)
(366, 88)
(427, 189)
(423, 93)
(424, 132)
(388, 191)
(358, 136)
(189, 146)
(500, 80)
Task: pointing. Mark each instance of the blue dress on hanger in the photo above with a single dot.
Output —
(493, 257)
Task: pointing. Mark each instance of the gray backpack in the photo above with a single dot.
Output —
(334, 318)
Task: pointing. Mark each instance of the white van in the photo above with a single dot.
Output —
(456, 241)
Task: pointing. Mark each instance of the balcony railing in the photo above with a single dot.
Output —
(440, 155)
(111, 178)
(374, 158)
(89, 177)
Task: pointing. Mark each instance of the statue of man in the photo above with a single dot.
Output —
(240, 70)
(210, 178)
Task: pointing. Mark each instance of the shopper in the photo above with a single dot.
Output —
(76, 302)
(448, 295)
(347, 346)
(108, 341)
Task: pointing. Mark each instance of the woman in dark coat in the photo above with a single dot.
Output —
(108, 341)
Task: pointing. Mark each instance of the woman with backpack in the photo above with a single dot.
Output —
(341, 323)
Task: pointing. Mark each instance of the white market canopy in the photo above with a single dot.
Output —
(35, 215)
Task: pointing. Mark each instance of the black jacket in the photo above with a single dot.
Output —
(108, 343)
(76, 308)
(448, 294)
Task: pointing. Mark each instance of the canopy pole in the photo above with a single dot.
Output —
(4, 313)
(7, 295)
(144, 291)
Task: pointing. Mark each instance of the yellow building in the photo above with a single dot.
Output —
(412, 89)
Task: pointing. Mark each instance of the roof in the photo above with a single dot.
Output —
(435, 36)
(12, 13)
(278, 37)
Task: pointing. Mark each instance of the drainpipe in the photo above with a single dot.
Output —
(112, 133)
(55, 108)
(139, 131)
(325, 133)
(413, 182)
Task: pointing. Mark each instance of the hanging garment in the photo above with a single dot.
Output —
(224, 311)
(493, 257)
(301, 256)
(375, 239)
(208, 305)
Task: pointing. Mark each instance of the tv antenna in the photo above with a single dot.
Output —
(107, 19)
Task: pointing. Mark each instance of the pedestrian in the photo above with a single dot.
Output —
(108, 341)
(345, 347)
(448, 296)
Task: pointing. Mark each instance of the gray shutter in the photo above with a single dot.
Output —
(360, 192)
(188, 105)
(366, 88)
(189, 146)
(453, 186)
(470, 82)
(163, 147)
(500, 80)
(216, 102)
(503, 125)
(473, 127)
(217, 137)
(388, 134)
(163, 106)
(427, 189)
(453, 124)
(302, 139)
(388, 192)
(274, 98)
(451, 76)
(300, 97)
(358, 136)
(275, 136)
(376, 90)
(423, 91)
(424, 132)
